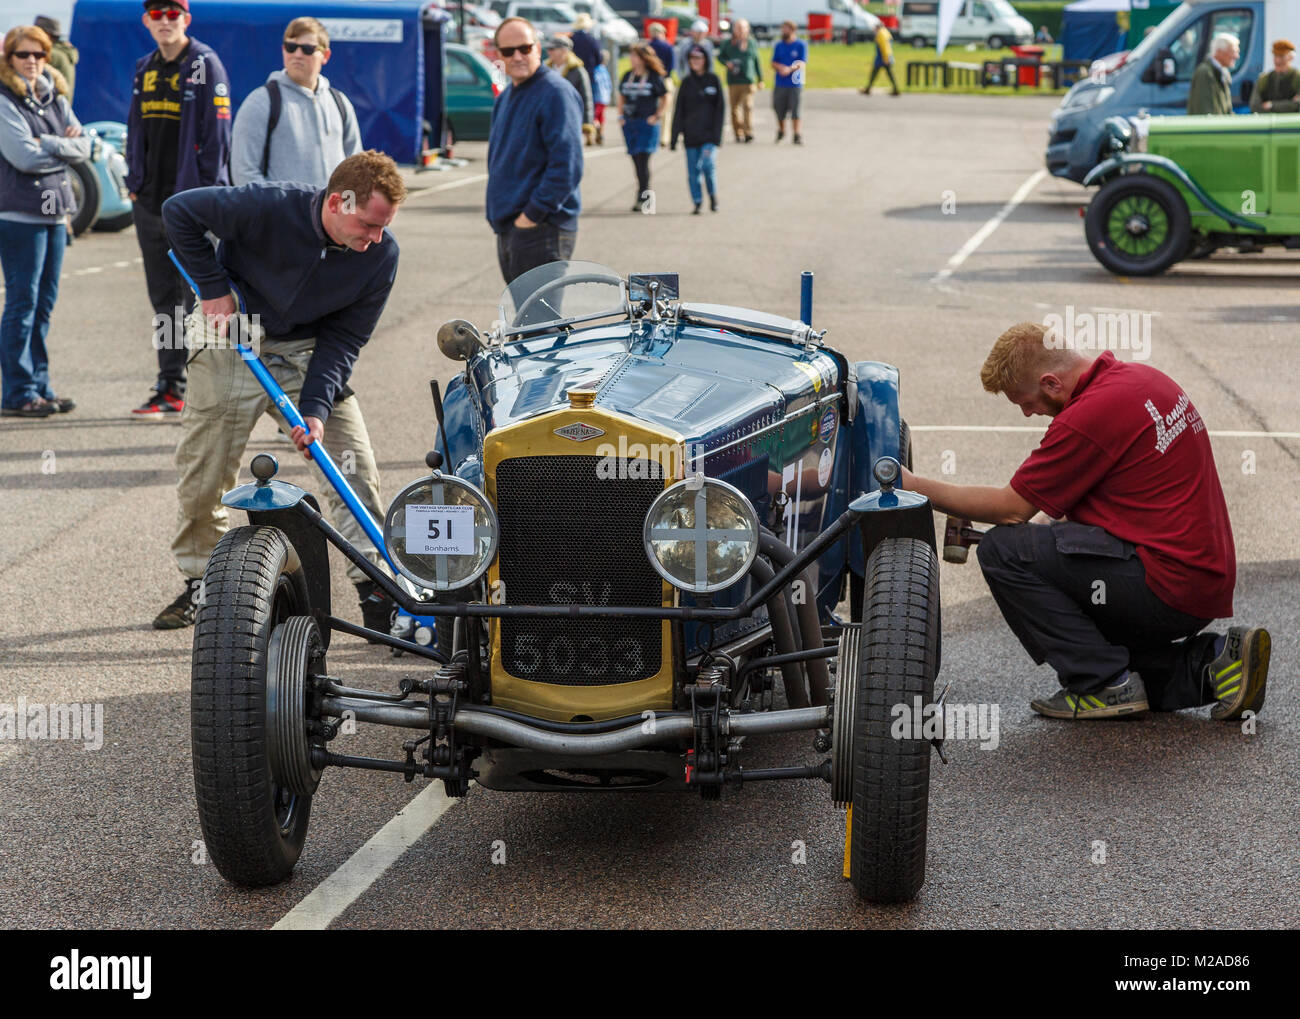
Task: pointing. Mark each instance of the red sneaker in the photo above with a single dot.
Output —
(160, 405)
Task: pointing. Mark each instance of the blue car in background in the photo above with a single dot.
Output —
(103, 201)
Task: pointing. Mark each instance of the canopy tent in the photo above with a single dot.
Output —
(948, 11)
(1092, 28)
(1146, 14)
(378, 57)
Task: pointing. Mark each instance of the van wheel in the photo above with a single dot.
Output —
(1138, 225)
(918, 42)
(85, 189)
(996, 42)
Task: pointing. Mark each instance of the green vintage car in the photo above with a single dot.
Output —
(1192, 185)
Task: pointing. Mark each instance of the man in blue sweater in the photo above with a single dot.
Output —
(534, 157)
(315, 268)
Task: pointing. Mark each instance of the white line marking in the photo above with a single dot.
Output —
(1040, 429)
(987, 229)
(328, 900)
(424, 192)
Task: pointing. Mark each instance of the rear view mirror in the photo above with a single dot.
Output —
(459, 340)
(1163, 70)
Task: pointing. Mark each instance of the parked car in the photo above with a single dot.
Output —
(636, 11)
(548, 17)
(639, 517)
(99, 185)
(471, 91)
(612, 30)
(1156, 76)
(991, 23)
(765, 16)
(1197, 184)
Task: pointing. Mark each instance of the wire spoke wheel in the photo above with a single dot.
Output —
(1138, 225)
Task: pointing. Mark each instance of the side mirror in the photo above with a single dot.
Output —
(459, 340)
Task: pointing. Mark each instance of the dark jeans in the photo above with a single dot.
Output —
(32, 258)
(1077, 599)
(888, 69)
(167, 292)
(519, 250)
(641, 161)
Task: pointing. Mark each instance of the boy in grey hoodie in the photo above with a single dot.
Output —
(316, 127)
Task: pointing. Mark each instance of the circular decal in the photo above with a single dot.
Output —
(824, 468)
(828, 424)
(221, 89)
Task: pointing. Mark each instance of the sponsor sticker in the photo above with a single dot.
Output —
(828, 424)
(363, 29)
(440, 530)
(824, 467)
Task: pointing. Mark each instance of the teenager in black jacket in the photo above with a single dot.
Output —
(699, 114)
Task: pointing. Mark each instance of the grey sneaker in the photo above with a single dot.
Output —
(1126, 697)
(1240, 674)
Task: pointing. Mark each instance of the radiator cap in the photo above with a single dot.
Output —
(582, 399)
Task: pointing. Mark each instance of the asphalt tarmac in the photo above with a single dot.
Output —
(1167, 821)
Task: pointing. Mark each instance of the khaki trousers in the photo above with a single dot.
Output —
(666, 125)
(742, 109)
(222, 404)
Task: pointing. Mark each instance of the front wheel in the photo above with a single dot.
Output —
(85, 190)
(996, 42)
(898, 658)
(1137, 225)
(253, 826)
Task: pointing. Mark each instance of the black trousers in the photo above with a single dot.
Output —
(888, 69)
(641, 161)
(519, 250)
(1077, 599)
(167, 292)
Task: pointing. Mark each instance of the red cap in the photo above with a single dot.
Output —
(182, 4)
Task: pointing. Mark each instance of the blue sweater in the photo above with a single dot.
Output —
(535, 153)
(275, 250)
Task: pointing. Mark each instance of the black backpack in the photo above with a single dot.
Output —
(273, 117)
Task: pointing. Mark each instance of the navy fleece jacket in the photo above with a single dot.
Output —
(299, 282)
(535, 153)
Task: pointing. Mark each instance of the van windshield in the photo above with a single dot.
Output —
(1002, 9)
(1158, 38)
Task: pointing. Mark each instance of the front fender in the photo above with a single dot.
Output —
(1104, 170)
(877, 424)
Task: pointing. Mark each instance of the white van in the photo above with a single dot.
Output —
(765, 16)
(991, 23)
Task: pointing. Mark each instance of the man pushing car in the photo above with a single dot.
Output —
(1116, 597)
(315, 267)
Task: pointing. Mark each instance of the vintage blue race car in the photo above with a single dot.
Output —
(640, 516)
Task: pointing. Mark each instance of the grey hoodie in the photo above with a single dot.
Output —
(31, 154)
(308, 142)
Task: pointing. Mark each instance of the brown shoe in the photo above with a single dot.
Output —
(36, 408)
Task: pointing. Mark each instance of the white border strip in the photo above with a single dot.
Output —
(328, 900)
(986, 231)
(1040, 429)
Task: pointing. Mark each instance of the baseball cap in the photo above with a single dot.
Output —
(182, 4)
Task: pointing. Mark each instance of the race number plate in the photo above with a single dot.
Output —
(440, 530)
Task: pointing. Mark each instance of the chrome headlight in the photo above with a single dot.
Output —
(701, 535)
(441, 532)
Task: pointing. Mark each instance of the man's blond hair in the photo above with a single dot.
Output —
(300, 25)
(365, 173)
(1020, 356)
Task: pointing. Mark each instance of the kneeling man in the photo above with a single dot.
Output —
(1116, 593)
(315, 267)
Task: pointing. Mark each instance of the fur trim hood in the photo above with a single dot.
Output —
(17, 84)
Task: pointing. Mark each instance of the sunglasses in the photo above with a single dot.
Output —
(30, 55)
(510, 51)
(307, 48)
(158, 13)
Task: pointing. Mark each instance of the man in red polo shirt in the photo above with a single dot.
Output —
(1115, 593)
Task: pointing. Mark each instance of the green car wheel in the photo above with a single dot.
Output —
(1138, 225)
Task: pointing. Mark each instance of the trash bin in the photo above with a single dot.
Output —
(820, 28)
(1029, 74)
(670, 27)
(890, 21)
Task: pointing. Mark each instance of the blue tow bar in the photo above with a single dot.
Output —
(805, 298)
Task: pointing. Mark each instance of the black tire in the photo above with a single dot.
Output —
(253, 829)
(996, 42)
(85, 188)
(114, 223)
(904, 444)
(918, 42)
(891, 777)
(1161, 231)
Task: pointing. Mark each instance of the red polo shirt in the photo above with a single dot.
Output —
(1129, 453)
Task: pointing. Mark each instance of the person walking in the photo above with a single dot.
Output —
(565, 62)
(884, 62)
(295, 127)
(698, 36)
(534, 157)
(698, 119)
(790, 62)
(739, 55)
(178, 137)
(1211, 91)
(63, 55)
(641, 101)
(39, 137)
(587, 49)
(1278, 90)
(315, 267)
(668, 57)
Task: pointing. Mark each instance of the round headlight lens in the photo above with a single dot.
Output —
(441, 532)
(701, 535)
